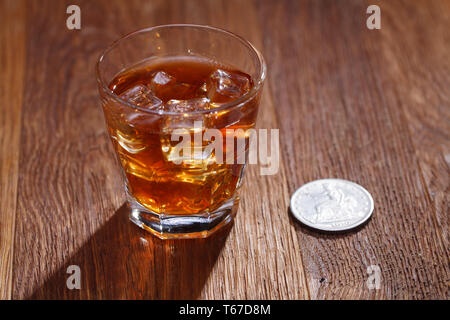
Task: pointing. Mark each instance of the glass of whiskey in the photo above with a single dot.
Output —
(178, 100)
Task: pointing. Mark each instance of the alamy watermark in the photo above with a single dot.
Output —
(374, 280)
(252, 146)
(74, 280)
(374, 20)
(73, 21)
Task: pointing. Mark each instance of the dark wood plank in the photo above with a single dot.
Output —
(12, 57)
(422, 80)
(344, 119)
(68, 183)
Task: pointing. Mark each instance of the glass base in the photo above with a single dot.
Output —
(166, 226)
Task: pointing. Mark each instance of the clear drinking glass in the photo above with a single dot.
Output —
(170, 199)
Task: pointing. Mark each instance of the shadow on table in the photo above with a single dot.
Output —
(122, 261)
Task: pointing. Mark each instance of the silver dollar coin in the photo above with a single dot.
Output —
(332, 204)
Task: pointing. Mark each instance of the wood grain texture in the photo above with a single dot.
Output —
(12, 58)
(351, 103)
(349, 122)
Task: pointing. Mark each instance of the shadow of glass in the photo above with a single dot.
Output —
(122, 261)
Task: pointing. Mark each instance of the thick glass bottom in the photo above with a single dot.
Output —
(166, 226)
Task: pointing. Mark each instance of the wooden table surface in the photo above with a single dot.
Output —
(370, 106)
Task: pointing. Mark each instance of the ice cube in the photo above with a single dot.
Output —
(129, 143)
(167, 87)
(183, 106)
(198, 156)
(185, 126)
(226, 85)
(161, 78)
(142, 96)
(178, 91)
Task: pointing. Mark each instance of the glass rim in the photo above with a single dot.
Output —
(223, 106)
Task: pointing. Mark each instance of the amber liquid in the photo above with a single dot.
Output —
(143, 140)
